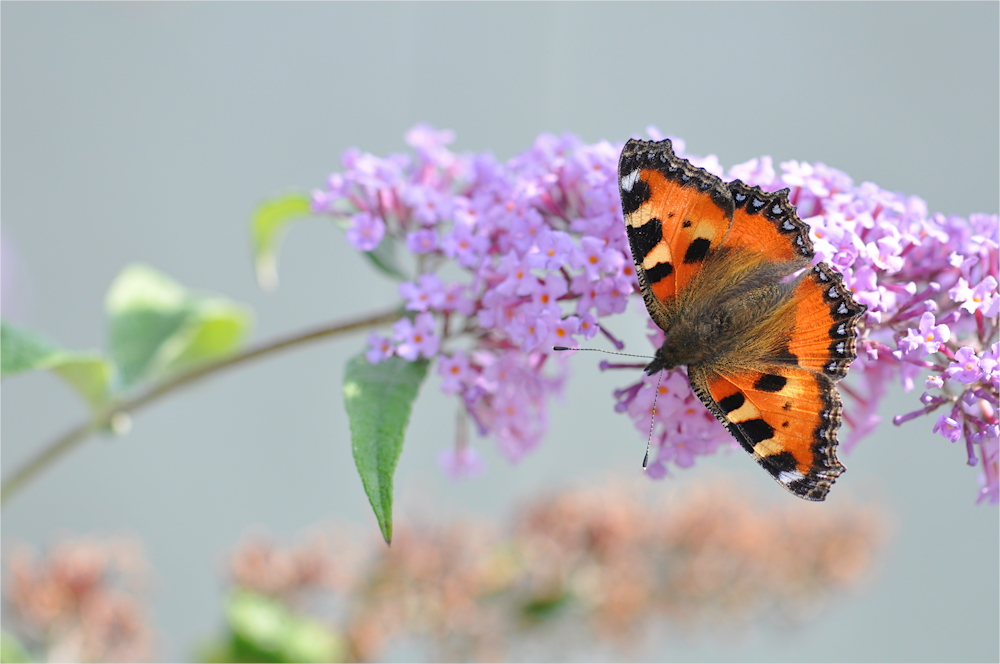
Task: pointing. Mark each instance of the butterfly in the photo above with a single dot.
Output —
(725, 271)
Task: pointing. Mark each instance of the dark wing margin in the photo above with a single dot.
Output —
(768, 223)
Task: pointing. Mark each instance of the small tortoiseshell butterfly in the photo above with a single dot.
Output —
(763, 350)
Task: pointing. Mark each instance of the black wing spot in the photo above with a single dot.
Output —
(697, 250)
(658, 272)
(632, 200)
(644, 238)
(757, 430)
(687, 223)
(732, 402)
(787, 406)
(770, 383)
(786, 356)
(779, 463)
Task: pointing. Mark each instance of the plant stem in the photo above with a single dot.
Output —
(102, 418)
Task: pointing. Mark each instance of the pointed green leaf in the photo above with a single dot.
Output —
(21, 350)
(267, 229)
(378, 398)
(384, 258)
(89, 373)
(145, 309)
(156, 325)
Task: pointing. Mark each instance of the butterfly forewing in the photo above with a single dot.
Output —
(675, 215)
(767, 223)
(826, 319)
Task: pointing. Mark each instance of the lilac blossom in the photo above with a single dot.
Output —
(416, 338)
(422, 241)
(461, 462)
(456, 373)
(948, 427)
(426, 293)
(536, 256)
(365, 231)
(379, 348)
(981, 298)
(964, 368)
(681, 428)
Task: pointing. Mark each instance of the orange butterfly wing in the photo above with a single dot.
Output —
(786, 417)
(675, 216)
(826, 320)
(767, 223)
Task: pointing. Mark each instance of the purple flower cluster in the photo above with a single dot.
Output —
(535, 255)
(540, 253)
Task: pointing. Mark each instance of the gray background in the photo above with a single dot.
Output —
(148, 132)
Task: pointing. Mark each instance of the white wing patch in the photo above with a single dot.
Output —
(789, 476)
(629, 180)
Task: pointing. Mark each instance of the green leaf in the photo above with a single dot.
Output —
(89, 373)
(22, 351)
(267, 631)
(216, 327)
(267, 229)
(545, 607)
(383, 257)
(157, 326)
(11, 649)
(378, 398)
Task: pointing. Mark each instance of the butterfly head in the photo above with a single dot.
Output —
(672, 354)
(693, 340)
(658, 364)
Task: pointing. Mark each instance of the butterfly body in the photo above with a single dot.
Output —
(725, 272)
(725, 313)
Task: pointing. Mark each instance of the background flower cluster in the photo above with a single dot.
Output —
(512, 258)
(584, 567)
(82, 602)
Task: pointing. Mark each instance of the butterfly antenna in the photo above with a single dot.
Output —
(652, 420)
(601, 350)
(656, 394)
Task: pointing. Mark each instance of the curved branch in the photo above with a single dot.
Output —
(105, 417)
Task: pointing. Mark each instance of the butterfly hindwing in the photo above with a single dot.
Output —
(786, 417)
